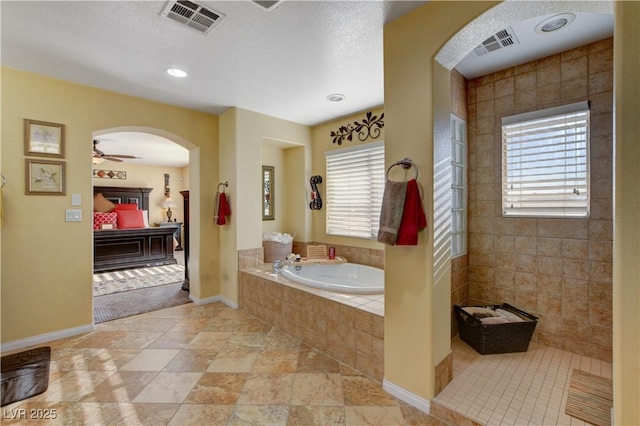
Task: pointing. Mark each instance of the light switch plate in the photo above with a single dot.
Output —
(73, 215)
(76, 199)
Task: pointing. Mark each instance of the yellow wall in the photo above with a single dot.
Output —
(243, 135)
(626, 255)
(274, 156)
(145, 176)
(323, 142)
(47, 262)
(412, 319)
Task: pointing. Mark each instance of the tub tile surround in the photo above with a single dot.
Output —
(558, 269)
(350, 328)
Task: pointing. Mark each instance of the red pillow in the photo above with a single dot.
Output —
(119, 207)
(104, 218)
(128, 219)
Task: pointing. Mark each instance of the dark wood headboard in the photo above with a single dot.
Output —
(139, 196)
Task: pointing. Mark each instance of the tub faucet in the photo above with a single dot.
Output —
(279, 264)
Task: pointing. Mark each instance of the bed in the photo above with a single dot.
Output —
(132, 244)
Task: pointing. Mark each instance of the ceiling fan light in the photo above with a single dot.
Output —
(98, 160)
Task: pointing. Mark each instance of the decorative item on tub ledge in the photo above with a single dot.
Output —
(369, 128)
(316, 200)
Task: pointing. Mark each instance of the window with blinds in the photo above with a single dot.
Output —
(355, 179)
(545, 162)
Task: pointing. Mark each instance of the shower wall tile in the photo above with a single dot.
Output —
(558, 269)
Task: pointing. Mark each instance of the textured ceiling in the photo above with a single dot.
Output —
(282, 62)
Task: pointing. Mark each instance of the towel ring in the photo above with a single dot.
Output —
(224, 185)
(405, 163)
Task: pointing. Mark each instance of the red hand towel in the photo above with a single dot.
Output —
(413, 218)
(224, 209)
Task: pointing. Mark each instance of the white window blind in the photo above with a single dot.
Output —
(355, 185)
(545, 162)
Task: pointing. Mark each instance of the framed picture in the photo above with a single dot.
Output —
(43, 139)
(44, 177)
(268, 196)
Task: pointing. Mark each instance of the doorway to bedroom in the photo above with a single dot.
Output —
(140, 184)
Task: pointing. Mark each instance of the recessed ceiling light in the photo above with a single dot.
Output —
(335, 97)
(176, 72)
(554, 23)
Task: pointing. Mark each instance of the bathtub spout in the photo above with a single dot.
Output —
(289, 260)
(279, 264)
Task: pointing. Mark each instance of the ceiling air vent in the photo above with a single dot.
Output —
(503, 38)
(267, 4)
(192, 15)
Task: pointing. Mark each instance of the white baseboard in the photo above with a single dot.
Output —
(45, 338)
(404, 395)
(230, 303)
(213, 299)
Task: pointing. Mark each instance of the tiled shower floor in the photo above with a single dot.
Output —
(527, 388)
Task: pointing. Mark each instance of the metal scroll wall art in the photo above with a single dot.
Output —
(316, 201)
(368, 128)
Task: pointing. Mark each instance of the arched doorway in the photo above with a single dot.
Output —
(139, 272)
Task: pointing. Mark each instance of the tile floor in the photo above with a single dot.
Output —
(204, 365)
(528, 388)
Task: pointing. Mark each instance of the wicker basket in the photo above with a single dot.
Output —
(274, 250)
(496, 338)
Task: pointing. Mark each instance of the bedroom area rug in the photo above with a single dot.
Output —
(590, 398)
(125, 304)
(134, 279)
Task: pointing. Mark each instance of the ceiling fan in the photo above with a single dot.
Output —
(99, 156)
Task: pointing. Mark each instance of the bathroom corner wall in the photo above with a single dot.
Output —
(459, 264)
(558, 269)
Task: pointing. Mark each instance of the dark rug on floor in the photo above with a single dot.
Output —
(24, 374)
(590, 398)
(128, 303)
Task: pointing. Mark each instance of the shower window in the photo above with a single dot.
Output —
(545, 162)
(355, 185)
(458, 187)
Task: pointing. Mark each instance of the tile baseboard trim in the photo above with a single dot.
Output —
(406, 396)
(45, 338)
(213, 299)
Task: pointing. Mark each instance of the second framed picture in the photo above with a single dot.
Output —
(43, 177)
(43, 139)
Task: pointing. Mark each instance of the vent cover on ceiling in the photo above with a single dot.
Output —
(266, 4)
(501, 39)
(192, 15)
